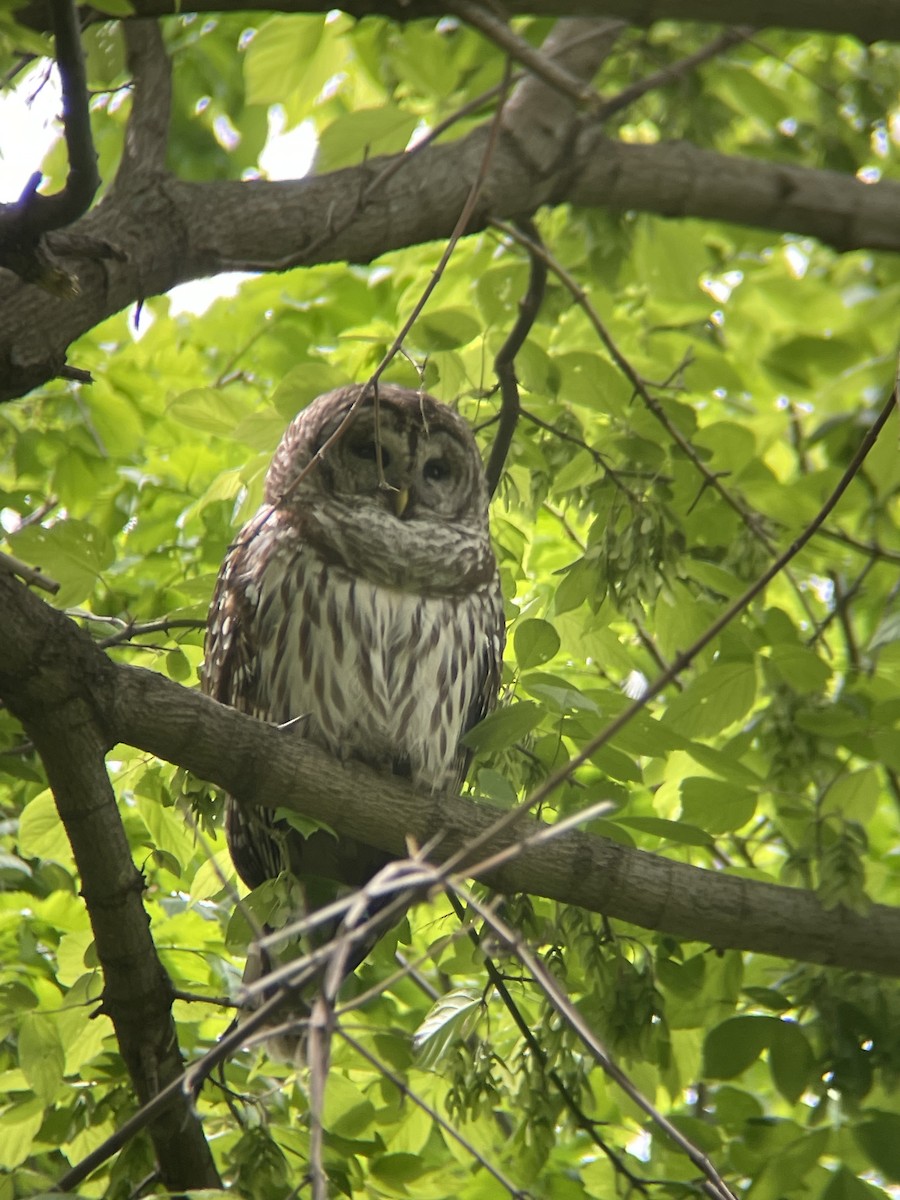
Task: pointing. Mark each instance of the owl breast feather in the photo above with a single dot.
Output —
(380, 674)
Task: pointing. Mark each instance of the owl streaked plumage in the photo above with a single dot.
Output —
(363, 603)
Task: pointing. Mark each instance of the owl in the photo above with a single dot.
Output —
(361, 607)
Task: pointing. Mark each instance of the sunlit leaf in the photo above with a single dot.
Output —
(535, 642)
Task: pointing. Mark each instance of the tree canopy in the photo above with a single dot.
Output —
(653, 261)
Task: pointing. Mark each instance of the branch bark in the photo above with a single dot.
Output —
(868, 20)
(45, 656)
(172, 231)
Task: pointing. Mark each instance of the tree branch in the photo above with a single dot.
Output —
(24, 224)
(146, 136)
(44, 656)
(58, 713)
(868, 20)
(505, 361)
(181, 231)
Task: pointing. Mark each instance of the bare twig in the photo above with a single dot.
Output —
(869, 549)
(83, 179)
(32, 575)
(615, 476)
(135, 629)
(672, 73)
(541, 65)
(459, 229)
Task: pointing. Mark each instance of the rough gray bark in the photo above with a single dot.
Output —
(869, 20)
(173, 231)
(45, 655)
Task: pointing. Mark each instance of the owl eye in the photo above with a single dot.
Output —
(369, 452)
(436, 470)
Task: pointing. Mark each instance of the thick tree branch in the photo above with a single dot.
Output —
(58, 714)
(868, 20)
(174, 231)
(146, 137)
(44, 656)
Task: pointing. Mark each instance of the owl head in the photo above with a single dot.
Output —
(395, 494)
(413, 458)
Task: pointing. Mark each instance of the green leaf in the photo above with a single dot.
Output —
(535, 642)
(496, 787)
(713, 700)
(791, 1060)
(800, 668)
(347, 1112)
(446, 329)
(504, 727)
(208, 410)
(735, 1044)
(74, 553)
(879, 1136)
(845, 1186)
(854, 797)
(363, 134)
(19, 1125)
(789, 1168)
(280, 57)
(41, 832)
(41, 1055)
(451, 1019)
(177, 665)
(672, 831)
(715, 806)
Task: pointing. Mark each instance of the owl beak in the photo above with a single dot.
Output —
(401, 500)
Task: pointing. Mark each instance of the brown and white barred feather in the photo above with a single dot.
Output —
(370, 615)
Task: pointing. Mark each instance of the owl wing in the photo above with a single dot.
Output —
(488, 671)
(231, 675)
(230, 670)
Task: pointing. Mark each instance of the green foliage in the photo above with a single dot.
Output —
(773, 755)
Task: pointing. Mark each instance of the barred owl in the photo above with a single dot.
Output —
(362, 604)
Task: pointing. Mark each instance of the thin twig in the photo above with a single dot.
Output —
(710, 478)
(612, 474)
(570, 1014)
(499, 32)
(505, 362)
(83, 178)
(31, 575)
(680, 663)
(23, 248)
(441, 1122)
(869, 549)
(459, 229)
(674, 72)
